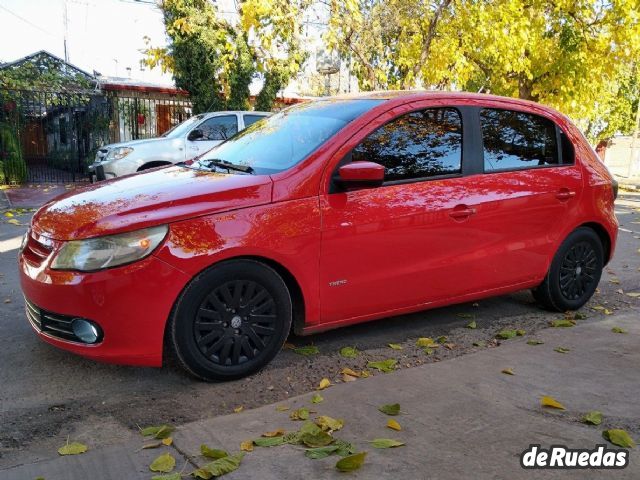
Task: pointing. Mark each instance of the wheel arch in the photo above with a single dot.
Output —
(153, 164)
(604, 238)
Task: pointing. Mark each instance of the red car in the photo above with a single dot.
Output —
(327, 214)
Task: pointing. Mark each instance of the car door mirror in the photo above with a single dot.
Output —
(195, 134)
(361, 174)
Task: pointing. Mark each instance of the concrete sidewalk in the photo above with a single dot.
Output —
(462, 418)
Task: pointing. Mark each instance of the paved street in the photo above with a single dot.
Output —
(48, 395)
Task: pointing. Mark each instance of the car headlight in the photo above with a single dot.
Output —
(118, 153)
(108, 251)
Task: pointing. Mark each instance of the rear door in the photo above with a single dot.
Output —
(524, 199)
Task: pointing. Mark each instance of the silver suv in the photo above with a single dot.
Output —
(183, 142)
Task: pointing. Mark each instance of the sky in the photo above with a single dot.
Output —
(102, 35)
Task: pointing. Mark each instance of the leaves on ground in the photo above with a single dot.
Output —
(268, 441)
(633, 294)
(395, 346)
(299, 414)
(317, 398)
(213, 453)
(275, 433)
(317, 439)
(159, 432)
(246, 446)
(324, 383)
(393, 425)
(282, 408)
(349, 352)
(169, 476)
(351, 462)
(619, 437)
(618, 330)
(330, 424)
(385, 366)
(472, 325)
(385, 443)
(562, 349)
(307, 350)
(164, 463)
(428, 351)
(563, 323)
(442, 339)
(347, 372)
(167, 441)
(480, 343)
(506, 334)
(424, 342)
(320, 452)
(73, 448)
(219, 467)
(238, 409)
(551, 402)
(535, 342)
(521, 333)
(13, 221)
(390, 408)
(592, 418)
(344, 448)
(508, 371)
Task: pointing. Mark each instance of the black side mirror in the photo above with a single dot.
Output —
(195, 134)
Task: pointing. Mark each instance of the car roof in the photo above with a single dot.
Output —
(234, 112)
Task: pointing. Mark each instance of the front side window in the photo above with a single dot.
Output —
(219, 128)
(517, 140)
(251, 119)
(420, 144)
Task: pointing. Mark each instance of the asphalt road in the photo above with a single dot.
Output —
(47, 395)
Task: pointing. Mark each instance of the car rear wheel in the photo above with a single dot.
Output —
(574, 272)
(231, 320)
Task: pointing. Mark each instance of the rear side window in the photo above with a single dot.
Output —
(516, 140)
(419, 144)
(251, 119)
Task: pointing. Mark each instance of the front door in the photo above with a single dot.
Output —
(215, 130)
(400, 244)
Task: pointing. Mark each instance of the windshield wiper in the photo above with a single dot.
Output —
(227, 165)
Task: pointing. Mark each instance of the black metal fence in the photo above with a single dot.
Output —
(54, 136)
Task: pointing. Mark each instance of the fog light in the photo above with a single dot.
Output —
(85, 330)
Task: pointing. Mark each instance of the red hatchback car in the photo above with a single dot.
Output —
(329, 213)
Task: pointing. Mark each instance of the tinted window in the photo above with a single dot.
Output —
(219, 128)
(515, 140)
(568, 152)
(416, 145)
(251, 119)
(286, 138)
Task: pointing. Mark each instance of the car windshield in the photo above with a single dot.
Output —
(182, 128)
(286, 138)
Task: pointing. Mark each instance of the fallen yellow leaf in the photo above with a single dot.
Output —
(167, 441)
(276, 433)
(551, 402)
(348, 371)
(393, 425)
(238, 409)
(324, 383)
(348, 378)
(247, 446)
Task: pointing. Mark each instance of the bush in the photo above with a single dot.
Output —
(13, 169)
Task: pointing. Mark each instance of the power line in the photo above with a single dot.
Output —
(29, 22)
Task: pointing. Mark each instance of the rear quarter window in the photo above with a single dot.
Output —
(517, 140)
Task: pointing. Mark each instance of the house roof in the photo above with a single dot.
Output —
(130, 84)
(43, 53)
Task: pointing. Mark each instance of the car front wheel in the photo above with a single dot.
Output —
(574, 272)
(231, 320)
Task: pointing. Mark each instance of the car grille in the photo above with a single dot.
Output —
(52, 324)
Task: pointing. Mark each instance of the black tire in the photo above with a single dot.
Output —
(574, 272)
(231, 320)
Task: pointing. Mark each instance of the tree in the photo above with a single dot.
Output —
(215, 60)
(572, 55)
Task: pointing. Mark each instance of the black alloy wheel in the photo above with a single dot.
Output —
(231, 320)
(574, 272)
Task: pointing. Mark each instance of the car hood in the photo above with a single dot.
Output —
(156, 197)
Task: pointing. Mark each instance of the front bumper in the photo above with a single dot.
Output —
(131, 304)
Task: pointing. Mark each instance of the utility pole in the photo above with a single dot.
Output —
(65, 19)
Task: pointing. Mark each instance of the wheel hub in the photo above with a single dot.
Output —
(578, 270)
(236, 321)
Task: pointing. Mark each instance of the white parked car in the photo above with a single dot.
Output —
(185, 141)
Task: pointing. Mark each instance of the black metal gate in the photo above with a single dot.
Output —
(50, 136)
